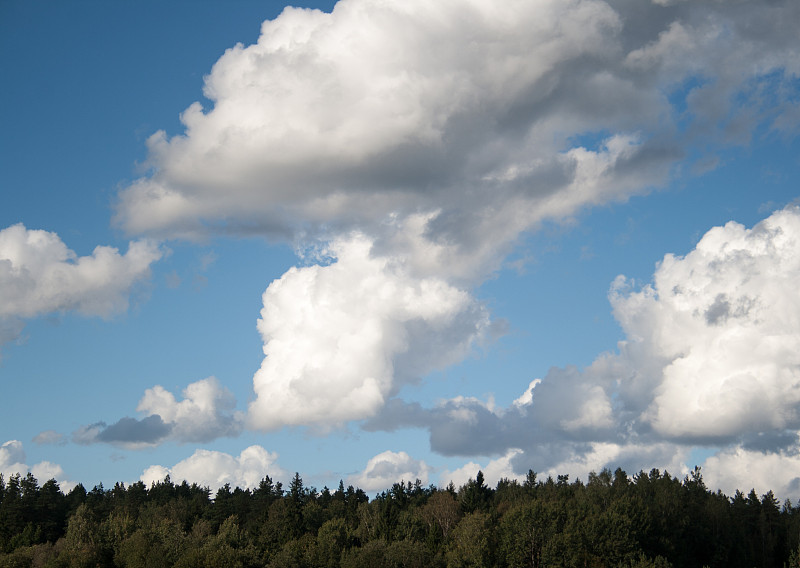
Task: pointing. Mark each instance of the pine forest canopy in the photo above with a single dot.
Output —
(651, 520)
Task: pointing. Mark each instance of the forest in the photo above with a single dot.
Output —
(648, 520)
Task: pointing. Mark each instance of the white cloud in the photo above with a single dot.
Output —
(388, 468)
(40, 275)
(725, 319)
(327, 108)
(711, 358)
(215, 469)
(438, 132)
(340, 339)
(207, 411)
(493, 471)
(12, 458)
(630, 455)
(12, 461)
(738, 468)
(338, 121)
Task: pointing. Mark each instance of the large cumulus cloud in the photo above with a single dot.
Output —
(710, 358)
(340, 339)
(725, 319)
(439, 132)
(376, 109)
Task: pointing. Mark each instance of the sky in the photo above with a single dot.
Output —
(375, 241)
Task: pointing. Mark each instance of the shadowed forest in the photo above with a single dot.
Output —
(651, 520)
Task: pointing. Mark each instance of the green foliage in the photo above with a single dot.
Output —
(652, 520)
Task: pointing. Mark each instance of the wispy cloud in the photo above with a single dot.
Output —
(50, 437)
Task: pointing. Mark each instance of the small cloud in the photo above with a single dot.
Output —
(388, 468)
(40, 275)
(493, 471)
(129, 431)
(11, 456)
(208, 411)
(215, 469)
(86, 435)
(50, 437)
(12, 461)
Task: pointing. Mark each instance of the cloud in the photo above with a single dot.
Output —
(88, 433)
(361, 112)
(207, 412)
(49, 437)
(40, 275)
(337, 121)
(493, 471)
(723, 319)
(12, 457)
(710, 359)
(413, 143)
(388, 468)
(12, 461)
(129, 431)
(215, 469)
(340, 339)
(738, 468)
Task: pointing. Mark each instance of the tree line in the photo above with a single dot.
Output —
(648, 520)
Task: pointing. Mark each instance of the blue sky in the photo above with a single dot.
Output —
(382, 224)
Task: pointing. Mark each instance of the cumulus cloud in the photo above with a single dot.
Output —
(377, 109)
(340, 339)
(493, 471)
(40, 275)
(346, 117)
(215, 469)
(12, 458)
(12, 461)
(207, 412)
(742, 469)
(388, 468)
(416, 141)
(710, 358)
(724, 321)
